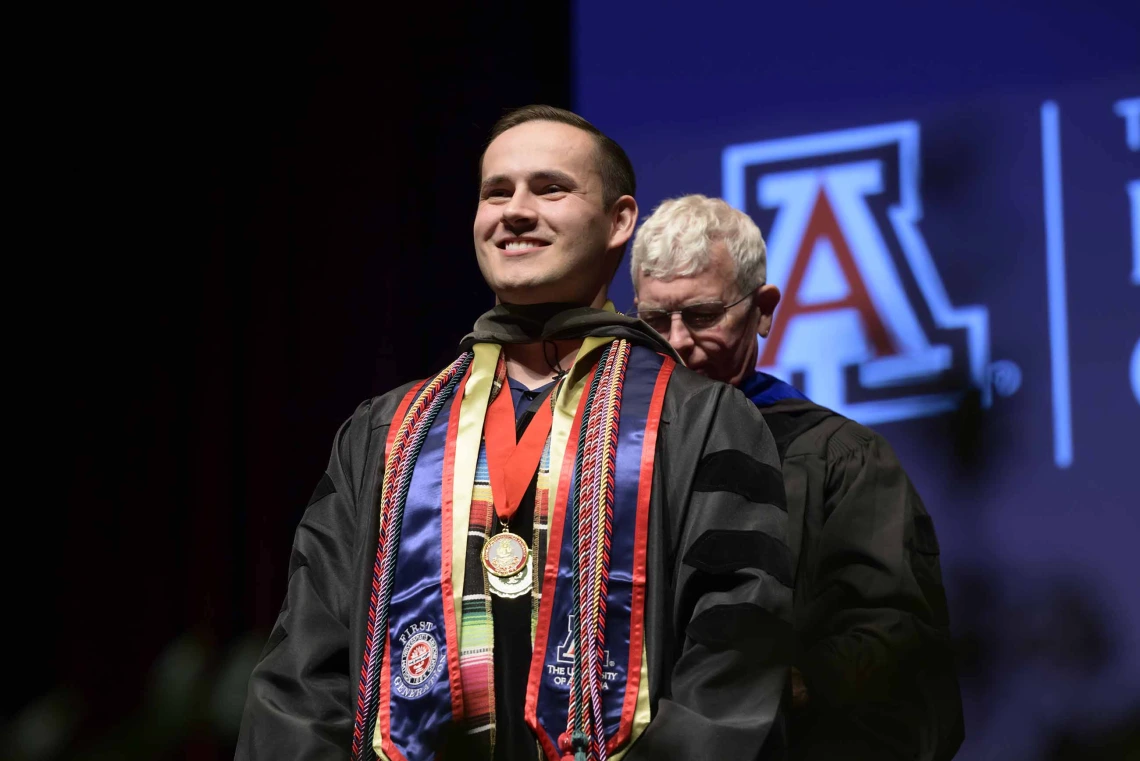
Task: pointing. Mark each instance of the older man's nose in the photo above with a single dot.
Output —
(679, 336)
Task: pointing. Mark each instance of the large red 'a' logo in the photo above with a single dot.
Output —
(865, 325)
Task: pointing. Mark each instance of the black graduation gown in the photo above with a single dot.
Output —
(718, 608)
(872, 626)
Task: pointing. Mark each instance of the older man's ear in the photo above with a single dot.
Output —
(766, 298)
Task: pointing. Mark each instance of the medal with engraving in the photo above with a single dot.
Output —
(505, 554)
(511, 464)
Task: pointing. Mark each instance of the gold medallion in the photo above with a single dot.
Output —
(512, 586)
(505, 555)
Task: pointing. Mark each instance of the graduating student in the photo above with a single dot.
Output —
(873, 675)
(564, 545)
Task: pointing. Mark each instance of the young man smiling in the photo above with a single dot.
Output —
(564, 545)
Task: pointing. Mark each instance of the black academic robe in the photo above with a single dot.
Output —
(872, 626)
(718, 609)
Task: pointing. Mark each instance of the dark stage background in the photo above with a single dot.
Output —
(247, 220)
(266, 219)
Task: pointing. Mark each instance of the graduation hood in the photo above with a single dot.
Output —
(516, 324)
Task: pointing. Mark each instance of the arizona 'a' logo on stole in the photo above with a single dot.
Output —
(602, 446)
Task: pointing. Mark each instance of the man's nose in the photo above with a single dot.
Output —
(518, 212)
(679, 336)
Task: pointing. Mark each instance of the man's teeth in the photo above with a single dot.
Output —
(516, 245)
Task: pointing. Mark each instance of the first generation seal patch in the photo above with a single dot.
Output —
(420, 661)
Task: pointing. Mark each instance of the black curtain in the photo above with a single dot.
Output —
(269, 221)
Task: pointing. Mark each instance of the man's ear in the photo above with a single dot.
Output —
(766, 298)
(624, 214)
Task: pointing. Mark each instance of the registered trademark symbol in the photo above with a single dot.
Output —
(1005, 377)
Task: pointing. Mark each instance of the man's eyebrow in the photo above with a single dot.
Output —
(555, 176)
(498, 179)
(545, 175)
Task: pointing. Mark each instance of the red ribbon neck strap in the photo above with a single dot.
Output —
(512, 464)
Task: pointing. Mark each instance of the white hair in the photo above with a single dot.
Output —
(674, 241)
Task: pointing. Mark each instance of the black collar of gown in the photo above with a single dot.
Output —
(518, 324)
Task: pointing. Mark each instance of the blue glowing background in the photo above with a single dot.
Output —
(983, 168)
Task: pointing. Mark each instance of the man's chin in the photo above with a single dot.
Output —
(523, 295)
(544, 288)
(534, 293)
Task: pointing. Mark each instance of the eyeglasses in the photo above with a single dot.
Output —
(695, 316)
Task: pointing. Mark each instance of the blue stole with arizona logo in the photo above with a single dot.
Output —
(421, 691)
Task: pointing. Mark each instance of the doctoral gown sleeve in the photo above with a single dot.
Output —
(876, 653)
(299, 701)
(729, 580)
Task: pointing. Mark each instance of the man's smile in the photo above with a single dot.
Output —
(519, 246)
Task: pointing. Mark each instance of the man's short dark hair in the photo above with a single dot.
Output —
(614, 166)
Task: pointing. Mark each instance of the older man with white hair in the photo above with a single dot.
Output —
(873, 675)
